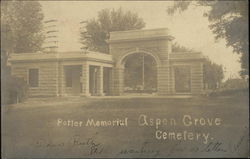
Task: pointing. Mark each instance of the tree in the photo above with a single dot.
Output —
(228, 20)
(110, 20)
(213, 74)
(21, 32)
(21, 27)
(178, 48)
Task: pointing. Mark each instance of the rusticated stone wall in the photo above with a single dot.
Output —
(48, 77)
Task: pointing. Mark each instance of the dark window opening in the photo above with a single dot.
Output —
(33, 77)
(140, 74)
(182, 79)
(68, 76)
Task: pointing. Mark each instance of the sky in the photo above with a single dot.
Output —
(189, 28)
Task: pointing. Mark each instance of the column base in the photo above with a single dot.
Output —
(100, 94)
(85, 94)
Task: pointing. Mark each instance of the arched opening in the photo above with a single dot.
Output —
(140, 73)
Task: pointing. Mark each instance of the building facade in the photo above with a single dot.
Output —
(97, 74)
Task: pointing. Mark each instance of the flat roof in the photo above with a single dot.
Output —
(185, 56)
(143, 34)
(55, 56)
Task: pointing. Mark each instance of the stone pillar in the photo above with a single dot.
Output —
(118, 81)
(164, 82)
(62, 80)
(59, 79)
(100, 81)
(111, 81)
(85, 79)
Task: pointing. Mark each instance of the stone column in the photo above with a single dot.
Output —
(118, 78)
(59, 79)
(111, 82)
(100, 81)
(164, 80)
(85, 79)
(62, 80)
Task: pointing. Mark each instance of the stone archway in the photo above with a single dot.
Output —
(154, 42)
(140, 73)
(119, 70)
(122, 59)
(158, 44)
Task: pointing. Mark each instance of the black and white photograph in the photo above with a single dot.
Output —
(124, 79)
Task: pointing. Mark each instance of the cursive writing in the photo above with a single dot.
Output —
(143, 149)
(237, 146)
(214, 147)
(92, 146)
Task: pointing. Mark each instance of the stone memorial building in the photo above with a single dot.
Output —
(90, 73)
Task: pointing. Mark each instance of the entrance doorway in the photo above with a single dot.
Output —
(72, 79)
(140, 74)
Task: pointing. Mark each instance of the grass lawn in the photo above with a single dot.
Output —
(31, 129)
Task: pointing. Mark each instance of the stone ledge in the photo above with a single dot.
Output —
(139, 35)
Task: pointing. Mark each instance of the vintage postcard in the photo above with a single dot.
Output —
(124, 79)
